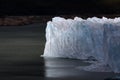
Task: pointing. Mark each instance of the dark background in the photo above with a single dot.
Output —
(56, 7)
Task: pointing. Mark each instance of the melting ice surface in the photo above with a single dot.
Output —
(79, 38)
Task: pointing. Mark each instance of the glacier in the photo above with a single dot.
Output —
(80, 38)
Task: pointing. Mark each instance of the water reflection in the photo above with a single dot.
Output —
(57, 68)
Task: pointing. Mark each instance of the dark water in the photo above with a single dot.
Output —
(20, 50)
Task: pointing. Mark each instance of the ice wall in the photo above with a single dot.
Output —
(85, 38)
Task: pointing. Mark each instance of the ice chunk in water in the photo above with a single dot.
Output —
(82, 38)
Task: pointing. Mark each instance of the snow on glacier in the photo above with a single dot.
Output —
(84, 38)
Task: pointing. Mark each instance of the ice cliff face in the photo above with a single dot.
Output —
(84, 38)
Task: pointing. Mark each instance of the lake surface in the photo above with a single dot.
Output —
(20, 50)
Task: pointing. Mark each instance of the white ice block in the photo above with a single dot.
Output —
(84, 38)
